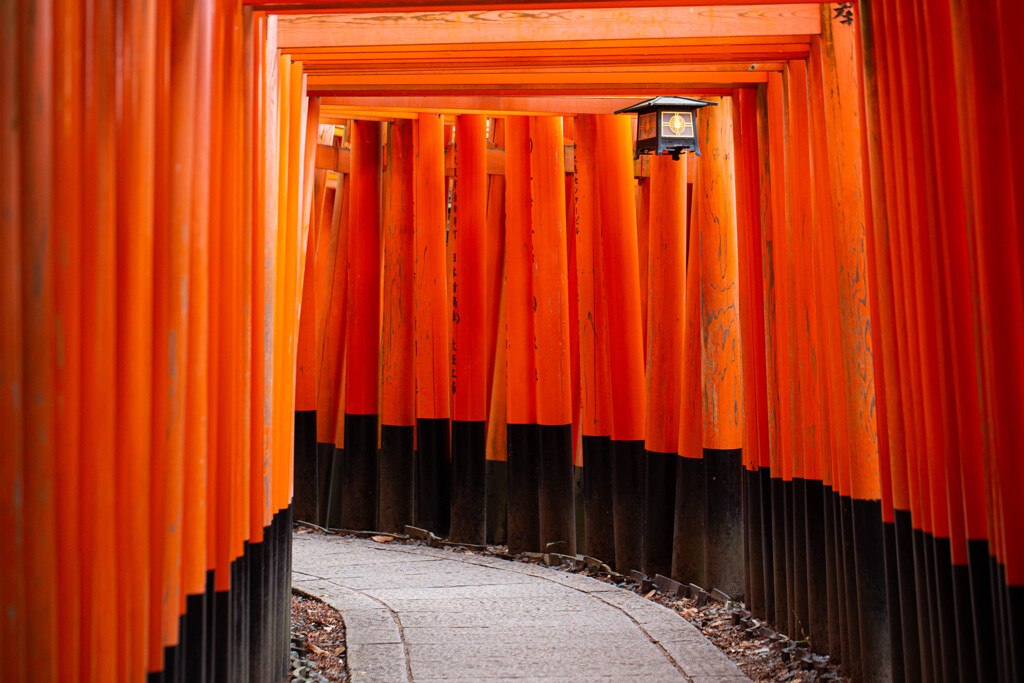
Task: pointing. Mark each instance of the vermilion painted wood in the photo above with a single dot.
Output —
(802, 396)
(481, 26)
(431, 319)
(620, 265)
(34, 104)
(264, 236)
(200, 485)
(775, 276)
(723, 382)
(99, 262)
(955, 276)
(335, 297)
(295, 255)
(171, 322)
(362, 348)
(587, 241)
(468, 270)
(454, 5)
(551, 315)
(135, 212)
(519, 250)
(989, 204)
(495, 269)
(312, 190)
(12, 408)
(666, 286)
(67, 213)
(397, 344)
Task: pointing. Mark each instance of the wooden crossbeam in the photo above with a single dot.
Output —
(511, 82)
(421, 68)
(492, 106)
(333, 158)
(352, 6)
(518, 26)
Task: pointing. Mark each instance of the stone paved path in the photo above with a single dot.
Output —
(421, 614)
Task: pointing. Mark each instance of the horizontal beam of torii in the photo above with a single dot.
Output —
(349, 6)
(562, 25)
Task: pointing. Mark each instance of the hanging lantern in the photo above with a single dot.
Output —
(666, 125)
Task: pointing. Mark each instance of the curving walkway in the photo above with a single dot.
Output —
(421, 614)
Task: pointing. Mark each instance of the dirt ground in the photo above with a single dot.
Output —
(317, 642)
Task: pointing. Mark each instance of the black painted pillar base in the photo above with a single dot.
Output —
(579, 510)
(659, 512)
(892, 589)
(688, 532)
(1015, 611)
(852, 647)
(800, 559)
(335, 489)
(831, 594)
(193, 635)
(753, 541)
(238, 634)
(905, 565)
(982, 613)
(397, 460)
(779, 564)
(767, 542)
(876, 660)
(523, 488)
(555, 497)
(950, 637)
(964, 622)
(925, 626)
(723, 553)
(469, 482)
(324, 469)
(841, 639)
(433, 475)
(628, 504)
(306, 482)
(497, 501)
(597, 494)
(359, 487)
(817, 573)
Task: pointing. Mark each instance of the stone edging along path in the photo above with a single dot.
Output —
(415, 613)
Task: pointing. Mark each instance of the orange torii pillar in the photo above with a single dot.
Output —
(666, 287)
(757, 481)
(965, 467)
(995, 250)
(469, 384)
(625, 350)
(398, 416)
(497, 438)
(362, 348)
(522, 430)
(688, 533)
(430, 314)
(331, 339)
(723, 380)
(595, 395)
(551, 317)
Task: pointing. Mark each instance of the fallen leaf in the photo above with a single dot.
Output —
(314, 649)
(651, 594)
(381, 539)
(328, 629)
(340, 651)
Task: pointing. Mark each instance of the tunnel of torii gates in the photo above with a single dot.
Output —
(369, 263)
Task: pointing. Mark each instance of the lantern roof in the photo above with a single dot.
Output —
(664, 101)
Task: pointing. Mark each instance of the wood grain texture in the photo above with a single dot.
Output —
(426, 28)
